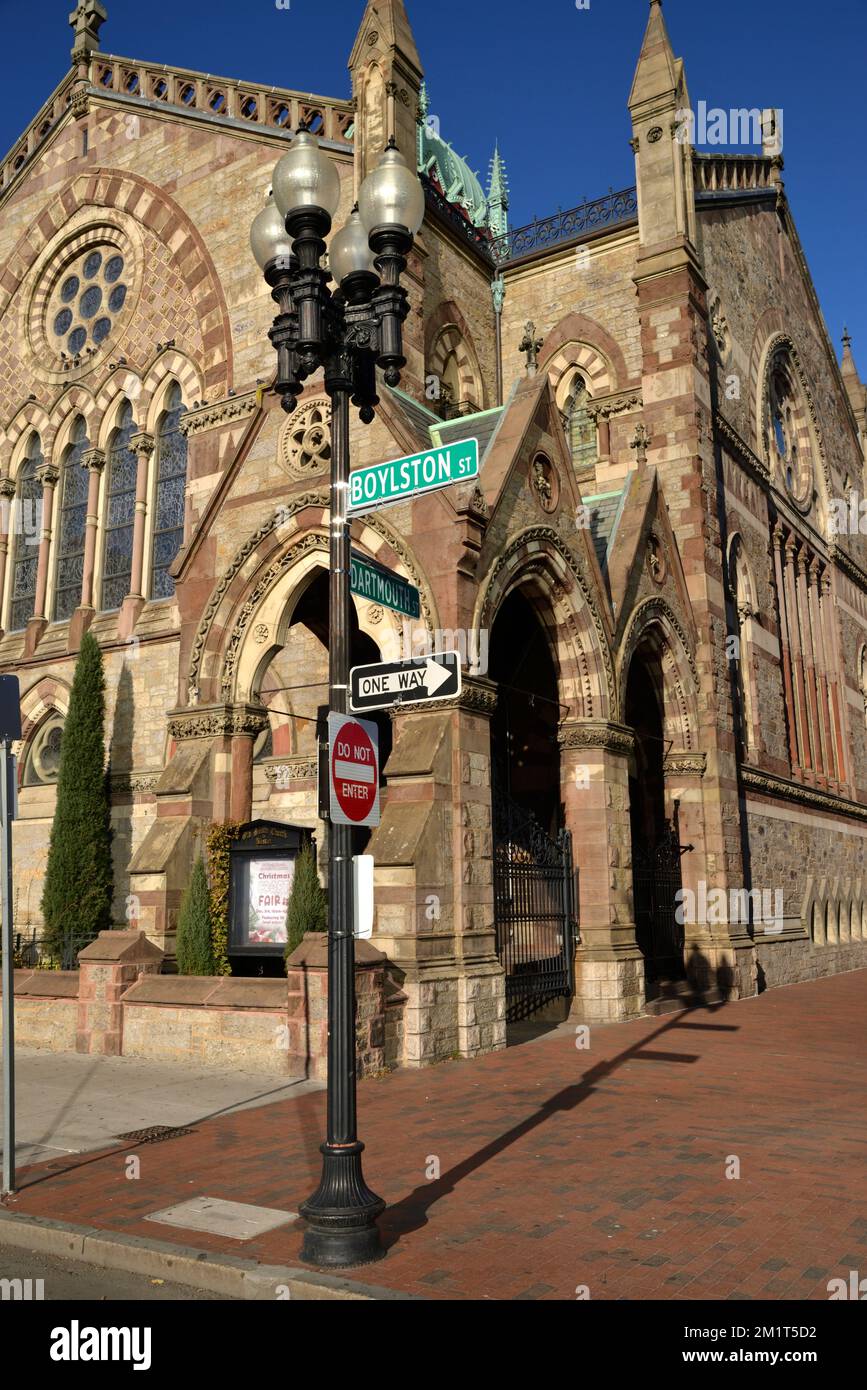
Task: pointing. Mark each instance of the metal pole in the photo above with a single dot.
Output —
(8, 976)
(340, 1217)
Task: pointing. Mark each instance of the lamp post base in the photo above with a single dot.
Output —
(341, 1215)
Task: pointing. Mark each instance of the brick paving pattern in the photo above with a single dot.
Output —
(562, 1167)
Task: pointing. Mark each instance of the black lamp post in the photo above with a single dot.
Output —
(348, 331)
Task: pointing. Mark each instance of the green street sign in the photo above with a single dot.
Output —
(384, 483)
(380, 585)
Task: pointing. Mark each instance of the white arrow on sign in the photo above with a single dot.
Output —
(431, 676)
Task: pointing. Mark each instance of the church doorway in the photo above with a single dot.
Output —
(656, 871)
(532, 851)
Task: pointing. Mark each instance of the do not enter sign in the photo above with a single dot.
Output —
(353, 770)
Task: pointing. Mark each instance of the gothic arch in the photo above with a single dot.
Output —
(32, 416)
(78, 400)
(771, 337)
(654, 621)
(170, 366)
(123, 385)
(538, 561)
(575, 336)
(447, 332)
(257, 566)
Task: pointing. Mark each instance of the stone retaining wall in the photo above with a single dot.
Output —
(117, 1004)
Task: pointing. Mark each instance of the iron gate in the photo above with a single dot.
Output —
(534, 909)
(656, 882)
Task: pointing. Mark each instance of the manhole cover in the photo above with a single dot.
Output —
(154, 1134)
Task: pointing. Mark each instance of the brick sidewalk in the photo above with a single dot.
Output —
(561, 1167)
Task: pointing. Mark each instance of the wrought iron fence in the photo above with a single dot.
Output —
(534, 909)
(539, 234)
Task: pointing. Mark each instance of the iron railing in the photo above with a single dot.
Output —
(534, 909)
(540, 234)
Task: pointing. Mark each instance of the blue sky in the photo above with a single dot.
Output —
(548, 80)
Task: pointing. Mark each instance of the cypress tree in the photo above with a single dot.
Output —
(194, 945)
(308, 904)
(77, 894)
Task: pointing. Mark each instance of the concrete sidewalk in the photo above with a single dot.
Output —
(714, 1153)
(70, 1104)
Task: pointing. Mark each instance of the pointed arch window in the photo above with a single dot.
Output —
(170, 495)
(120, 512)
(72, 525)
(27, 527)
(582, 428)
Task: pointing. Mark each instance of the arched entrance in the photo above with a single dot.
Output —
(533, 889)
(656, 872)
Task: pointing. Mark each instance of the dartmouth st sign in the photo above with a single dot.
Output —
(369, 580)
(384, 483)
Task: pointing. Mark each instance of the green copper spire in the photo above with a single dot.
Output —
(498, 195)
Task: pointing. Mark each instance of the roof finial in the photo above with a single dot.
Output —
(847, 337)
(86, 20)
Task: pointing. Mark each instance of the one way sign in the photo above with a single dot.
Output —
(412, 682)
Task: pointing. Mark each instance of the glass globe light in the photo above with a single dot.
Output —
(392, 195)
(268, 235)
(350, 253)
(306, 178)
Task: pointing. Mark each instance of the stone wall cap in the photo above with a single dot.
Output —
(170, 989)
(313, 952)
(49, 984)
(123, 946)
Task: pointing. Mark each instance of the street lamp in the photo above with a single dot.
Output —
(349, 331)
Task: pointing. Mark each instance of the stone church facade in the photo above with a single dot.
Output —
(662, 615)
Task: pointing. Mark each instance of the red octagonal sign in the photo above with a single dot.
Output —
(353, 764)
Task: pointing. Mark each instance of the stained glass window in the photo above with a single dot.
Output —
(27, 536)
(119, 512)
(71, 525)
(171, 489)
(582, 430)
(77, 302)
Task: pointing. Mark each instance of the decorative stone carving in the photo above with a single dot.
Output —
(219, 721)
(209, 417)
(544, 482)
(656, 559)
(291, 770)
(531, 346)
(771, 785)
(685, 764)
(603, 407)
(260, 633)
(305, 440)
(596, 733)
(654, 134)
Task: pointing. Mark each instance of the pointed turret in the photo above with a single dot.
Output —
(855, 387)
(659, 106)
(498, 195)
(386, 82)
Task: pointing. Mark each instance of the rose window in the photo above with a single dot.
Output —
(87, 300)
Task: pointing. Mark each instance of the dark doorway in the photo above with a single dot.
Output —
(533, 878)
(656, 876)
(526, 754)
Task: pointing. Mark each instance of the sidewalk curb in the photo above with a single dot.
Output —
(184, 1264)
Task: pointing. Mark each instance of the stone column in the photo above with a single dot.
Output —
(834, 666)
(241, 791)
(7, 501)
(47, 477)
(143, 445)
(814, 582)
(804, 562)
(778, 555)
(94, 461)
(805, 761)
(594, 779)
(434, 877)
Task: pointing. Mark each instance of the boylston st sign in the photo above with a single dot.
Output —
(382, 484)
(369, 580)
